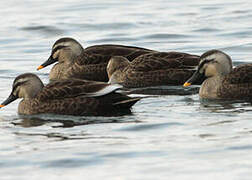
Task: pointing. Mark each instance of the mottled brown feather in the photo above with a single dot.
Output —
(164, 60)
(130, 52)
(103, 105)
(91, 64)
(237, 84)
(69, 88)
(159, 68)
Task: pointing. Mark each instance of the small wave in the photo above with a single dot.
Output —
(144, 127)
(48, 30)
(165, 36)
(207, 30)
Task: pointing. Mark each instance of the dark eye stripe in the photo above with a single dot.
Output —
(18, 84)
(204, 62)
(57, 48)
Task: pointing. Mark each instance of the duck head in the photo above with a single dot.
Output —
(26, 85)
(116, 63)
(212, 63)
(64, 50)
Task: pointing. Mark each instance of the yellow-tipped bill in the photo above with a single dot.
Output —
(40, 67)
(1, 105)
(186, 84)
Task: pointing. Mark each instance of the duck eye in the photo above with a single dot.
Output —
(57, 48)
(209, 60)
(16, 85)
(201, 65)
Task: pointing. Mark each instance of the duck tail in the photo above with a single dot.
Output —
(126, 104)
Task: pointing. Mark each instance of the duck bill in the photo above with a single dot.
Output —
(49, 61)
(197, 78)
(10, 99)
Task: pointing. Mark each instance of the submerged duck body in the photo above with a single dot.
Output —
(69, 97)
(153, 69)
(222, 80)
(73, 61)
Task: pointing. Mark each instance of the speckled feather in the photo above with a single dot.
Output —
(164, 60)
(70, 88)
(159, 68)
(130, 52)
(69, 97)
(91, 64)
(237, 84)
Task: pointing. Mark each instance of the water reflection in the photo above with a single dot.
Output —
(231, 106)
(72, 162)
(165, 90)
(62, 121)
(151, 126)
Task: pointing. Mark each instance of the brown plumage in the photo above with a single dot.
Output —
(153, 69)
(69, 97)
(237, 84)
(90, 63)
(223, 81)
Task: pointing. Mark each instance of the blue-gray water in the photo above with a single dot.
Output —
(166, 137)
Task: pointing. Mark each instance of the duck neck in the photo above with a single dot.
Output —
(25, 106)
(210, 86)
(57, 72)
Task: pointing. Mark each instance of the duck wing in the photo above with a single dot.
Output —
(92, 59)
(164, 60)
(240, 75)
(237, 84)
(109, 50)
(92, 63)
(74, 87)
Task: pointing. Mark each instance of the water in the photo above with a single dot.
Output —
(166, 137)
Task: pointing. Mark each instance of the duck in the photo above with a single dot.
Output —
(68, 97)
(152, 69)
(222, 80)
(73, 61)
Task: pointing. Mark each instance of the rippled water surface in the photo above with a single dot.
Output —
(166, 137)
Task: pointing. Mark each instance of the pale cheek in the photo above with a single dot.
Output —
(210, 71)
(66, 56)
(55, 55)
(21, 93)
(25, 92)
